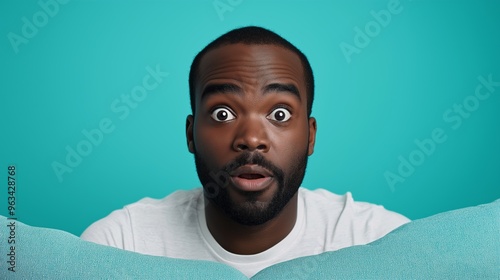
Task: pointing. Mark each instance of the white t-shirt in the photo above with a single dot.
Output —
(175, 227)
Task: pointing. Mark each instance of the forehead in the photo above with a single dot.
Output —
(251, 64)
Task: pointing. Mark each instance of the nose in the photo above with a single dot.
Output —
(251, 136)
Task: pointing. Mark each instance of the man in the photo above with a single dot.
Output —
(251, 133)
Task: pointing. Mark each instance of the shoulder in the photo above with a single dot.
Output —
(117, 229)
(322, 199)
(346, 202)
(373, 220)
(180, 198)
(109, 230)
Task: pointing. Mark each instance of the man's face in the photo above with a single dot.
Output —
(250, 134)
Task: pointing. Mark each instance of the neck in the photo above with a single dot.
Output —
(249, 240)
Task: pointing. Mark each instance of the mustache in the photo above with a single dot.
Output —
(253, 158)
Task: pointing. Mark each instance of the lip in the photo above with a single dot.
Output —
(251, 169)
(251, 185)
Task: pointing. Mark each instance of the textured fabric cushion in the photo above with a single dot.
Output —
(43, 253)
(459, 244)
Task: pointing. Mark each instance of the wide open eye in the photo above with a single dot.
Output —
(280, 115)
(222, 115)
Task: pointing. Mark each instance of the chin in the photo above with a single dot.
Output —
(253, 212)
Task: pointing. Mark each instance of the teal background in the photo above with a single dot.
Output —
(369, 111)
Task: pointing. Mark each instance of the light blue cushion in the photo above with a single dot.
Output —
(43, 253)
(459, 244)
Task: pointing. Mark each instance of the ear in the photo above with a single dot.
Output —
(189, 133)
(312, 135)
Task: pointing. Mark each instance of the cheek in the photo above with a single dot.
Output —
(289, 145)
(211, 144)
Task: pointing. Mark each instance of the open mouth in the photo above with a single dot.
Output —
(251, 178)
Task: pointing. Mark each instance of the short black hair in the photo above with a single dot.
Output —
(252, 35)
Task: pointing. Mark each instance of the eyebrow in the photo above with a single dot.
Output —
(220, 88)
(283, 88)
(228, 88)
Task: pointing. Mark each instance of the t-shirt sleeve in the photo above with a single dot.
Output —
(379, 221)
(385, 221)
(360, 223)
(114, 230)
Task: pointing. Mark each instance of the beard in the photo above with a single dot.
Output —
(251, 211)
